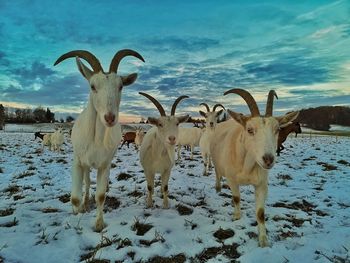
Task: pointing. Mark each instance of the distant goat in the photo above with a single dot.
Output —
(211, 119)
(38, 135)
(140, 134)
(188, 136)
(128, 137)
(157, 152)
(284, 132)
(57, 139)
(96, 132)
(45, 137)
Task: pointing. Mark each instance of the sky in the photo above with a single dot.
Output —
(196, 48)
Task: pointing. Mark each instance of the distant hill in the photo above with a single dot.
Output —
(321, 118)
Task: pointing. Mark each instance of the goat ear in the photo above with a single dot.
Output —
(129, 79)
(84, 70)
(285, 119)
(203, 113)
(153, 121)
(218, 113)
(239, 117)
(183, 118)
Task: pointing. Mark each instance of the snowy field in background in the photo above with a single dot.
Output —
(307, 211)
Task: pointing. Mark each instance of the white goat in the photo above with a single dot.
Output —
(96, 132)
(211, 119)
(57, 139)
(244, 151)
(46, 140)
(157, 153)
(188, 136)
(140, 134)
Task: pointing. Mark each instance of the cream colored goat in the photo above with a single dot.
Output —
(211, 119)
(140, 134)
(188, 136)
(57, 140)
(96, 132)
(47, 140)
(157, 153)
(245, 150)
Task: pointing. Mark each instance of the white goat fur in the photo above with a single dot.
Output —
(238, 154)
(157, 152)
(46, 140)
(140, 134)
(188, 136)
(95, 137)
(207, 137)
(57, 140)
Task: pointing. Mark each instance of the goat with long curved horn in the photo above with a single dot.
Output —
(269, 103)
(155, 102)
(120, 55)
(206, 106)
(97, 128)
(245, 151)
(89, 57)
(173, 108)
(253, 107)
(157, 152)
(218, 105)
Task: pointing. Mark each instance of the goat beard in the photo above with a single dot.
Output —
(109, 141)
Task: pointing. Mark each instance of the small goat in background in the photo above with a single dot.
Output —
(211, 119)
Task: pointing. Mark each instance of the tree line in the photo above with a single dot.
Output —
(37, 115)
(321, 118)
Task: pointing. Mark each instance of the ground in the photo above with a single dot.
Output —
(307, 211)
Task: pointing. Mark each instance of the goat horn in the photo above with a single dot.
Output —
(155, 102)
(89, 57)
(120, 55)
(205, 105)
(218, 105)
(173, 108)
(253, 107)
(269, 103)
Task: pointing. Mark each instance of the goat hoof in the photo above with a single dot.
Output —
(263, 241)
(165, 205)
(236, 216)
(149, 204)
(99, 225)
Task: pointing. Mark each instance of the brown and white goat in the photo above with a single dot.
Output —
(245, 150)
(157, 152)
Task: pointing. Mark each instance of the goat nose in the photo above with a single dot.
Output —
(211, 124)
(172, 139)
(268, 159)
(110, 117)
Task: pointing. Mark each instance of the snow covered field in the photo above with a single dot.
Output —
(308, 209)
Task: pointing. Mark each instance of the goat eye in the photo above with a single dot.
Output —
(93, 88)
(160, 125)
(250, 131)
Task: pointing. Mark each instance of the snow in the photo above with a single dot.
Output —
(307, 210)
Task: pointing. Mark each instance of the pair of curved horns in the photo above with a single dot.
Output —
(160, 107)
(95, 63)
(214, 108)
(253, 107)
